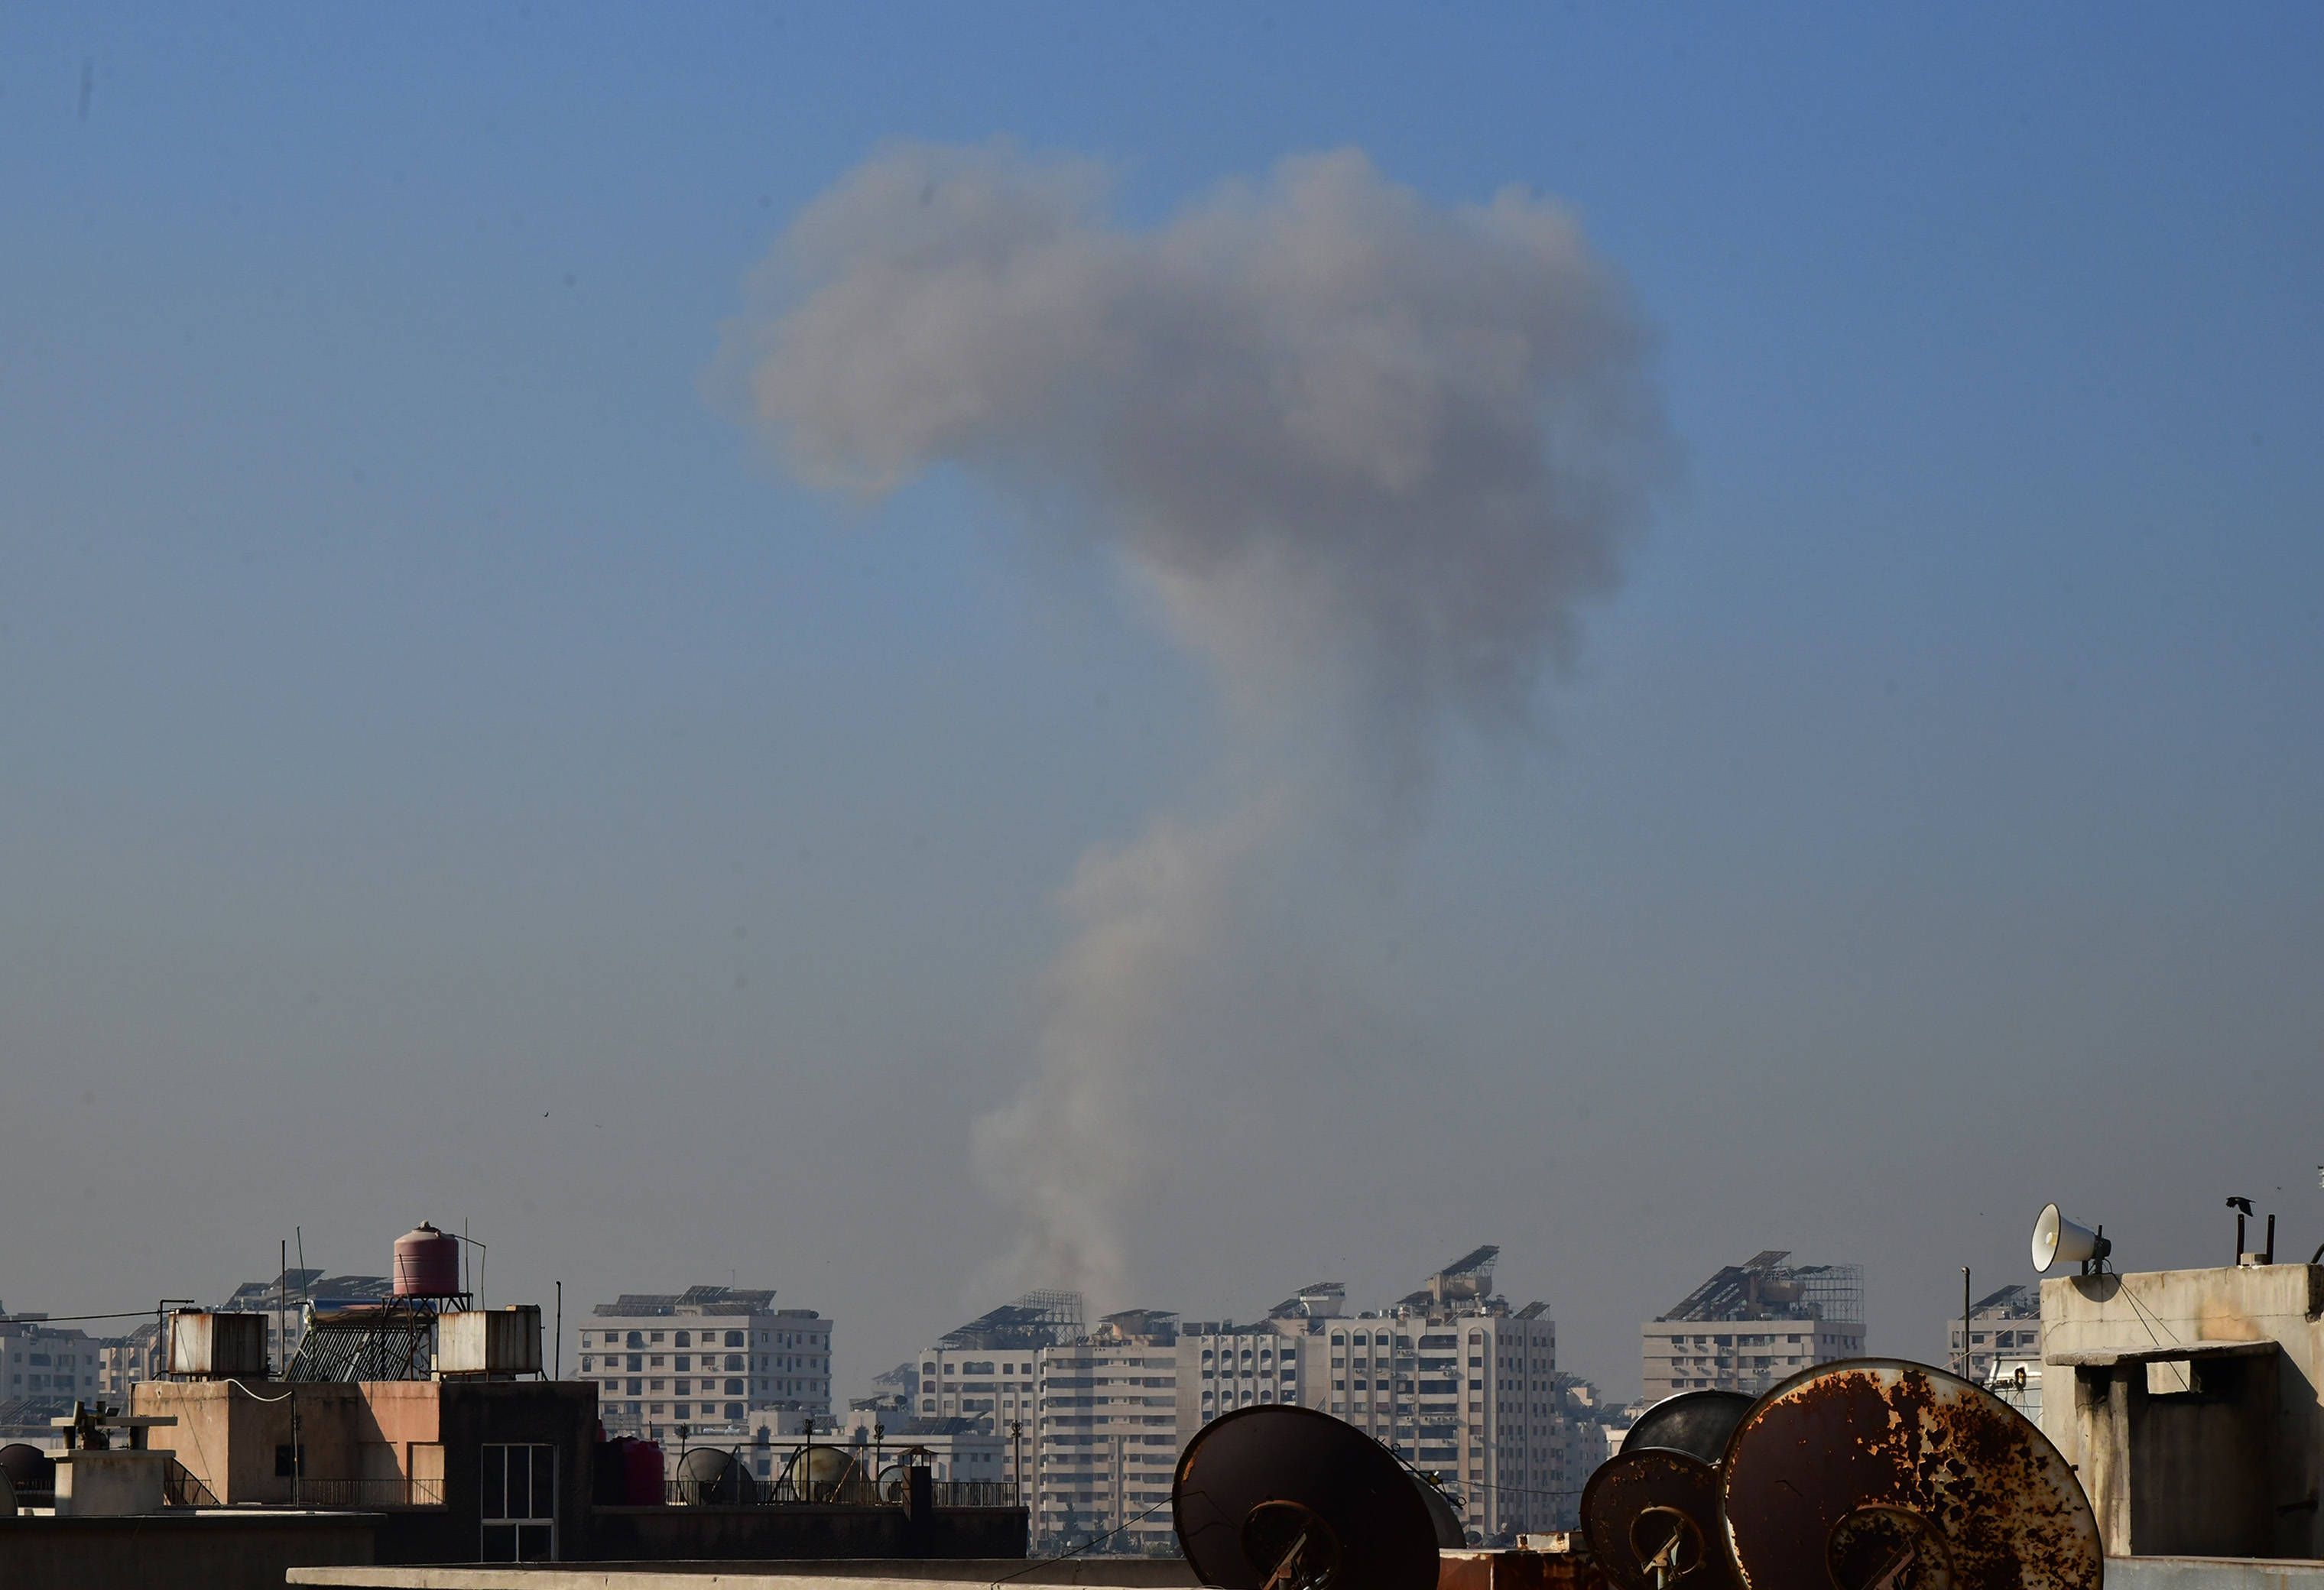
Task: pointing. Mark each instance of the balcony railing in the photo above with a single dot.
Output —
(391, 1491)
(738, 1488)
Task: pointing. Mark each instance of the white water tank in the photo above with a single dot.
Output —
(489, 1341)
(207, 1344)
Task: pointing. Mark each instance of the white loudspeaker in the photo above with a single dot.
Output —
(2056, 1237)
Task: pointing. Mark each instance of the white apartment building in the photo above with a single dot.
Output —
(2003, 1325)
(1450, 1377)
(1752, 1324)
(1225, 1366)
(124, 1361)
(1462, 1387)
(708, 1355)
(49, 1363)
(987, 1372)
(1108, 1414)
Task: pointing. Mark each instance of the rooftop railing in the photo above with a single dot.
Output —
(370, 1491)
(738, 1488)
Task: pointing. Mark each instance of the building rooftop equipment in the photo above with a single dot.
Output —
(1467, 1278)
(695, 1300)
(1318, 1300)
(1038, 1319)
(1764, 1287)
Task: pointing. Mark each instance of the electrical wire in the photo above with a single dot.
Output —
(1042, 1562)
(72, 1318)
(254, 1397)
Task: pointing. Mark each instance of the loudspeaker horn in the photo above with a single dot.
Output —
(2055, 1237)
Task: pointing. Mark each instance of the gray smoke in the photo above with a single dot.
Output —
(1067, 1155)
(1367, 452)
(1353, 438)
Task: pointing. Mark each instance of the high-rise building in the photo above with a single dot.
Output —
(1457, 1382)
(44, 1369)
(1448, 1377)
(126, 1360)
(1108, 1410)
(987, 1372)
(707, 1355)
(1754, 1324)
(1463, 1387)
(1222, 1366)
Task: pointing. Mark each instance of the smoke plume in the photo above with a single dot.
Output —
(1067, 1153)
(1365, 451)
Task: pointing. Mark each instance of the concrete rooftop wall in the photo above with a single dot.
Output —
(2187, 1402)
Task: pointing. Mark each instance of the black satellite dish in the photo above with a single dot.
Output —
(31, 1472)
(1281, 1497)
(1695, 1422)
(1651, 1520)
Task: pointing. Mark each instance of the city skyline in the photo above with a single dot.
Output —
(530, 695)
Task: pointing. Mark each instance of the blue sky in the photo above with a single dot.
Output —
(420, 707)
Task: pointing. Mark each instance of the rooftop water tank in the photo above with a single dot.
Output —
(427, 1264)
(203, 1345)
(489, 1341)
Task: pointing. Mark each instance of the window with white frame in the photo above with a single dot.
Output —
(518, 1507)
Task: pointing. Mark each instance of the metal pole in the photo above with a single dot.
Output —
(561, 1330)
(298, 1235)
(1966, 1373)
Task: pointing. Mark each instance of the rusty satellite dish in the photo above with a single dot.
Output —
(1651, 1520)
(1695, 1422)
(1876, 1473)
(1281, 1497)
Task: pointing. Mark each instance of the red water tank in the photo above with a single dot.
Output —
(427, 1264)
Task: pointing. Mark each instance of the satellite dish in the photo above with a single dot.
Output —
(32, 1473)
(708, 1476)
(1281, 1497)
(2055, 1237)
(1693, 1422)
(1443, 1511)
(1877, 1473)
(819, 1472)
(1651, 1520)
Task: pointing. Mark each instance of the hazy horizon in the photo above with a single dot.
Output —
(1188, 651)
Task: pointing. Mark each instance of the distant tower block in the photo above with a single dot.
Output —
(427, 1264)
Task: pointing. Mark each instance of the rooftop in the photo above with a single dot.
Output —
(298, 1286)
(1764, 1287)
(697, 1299)
(2016, 1301)
(1037, 1320)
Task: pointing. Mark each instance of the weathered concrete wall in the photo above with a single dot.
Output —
(228, 1433)
(2210, 1573)
(2226, 1456)
(216, 1550)
(113, 1484)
